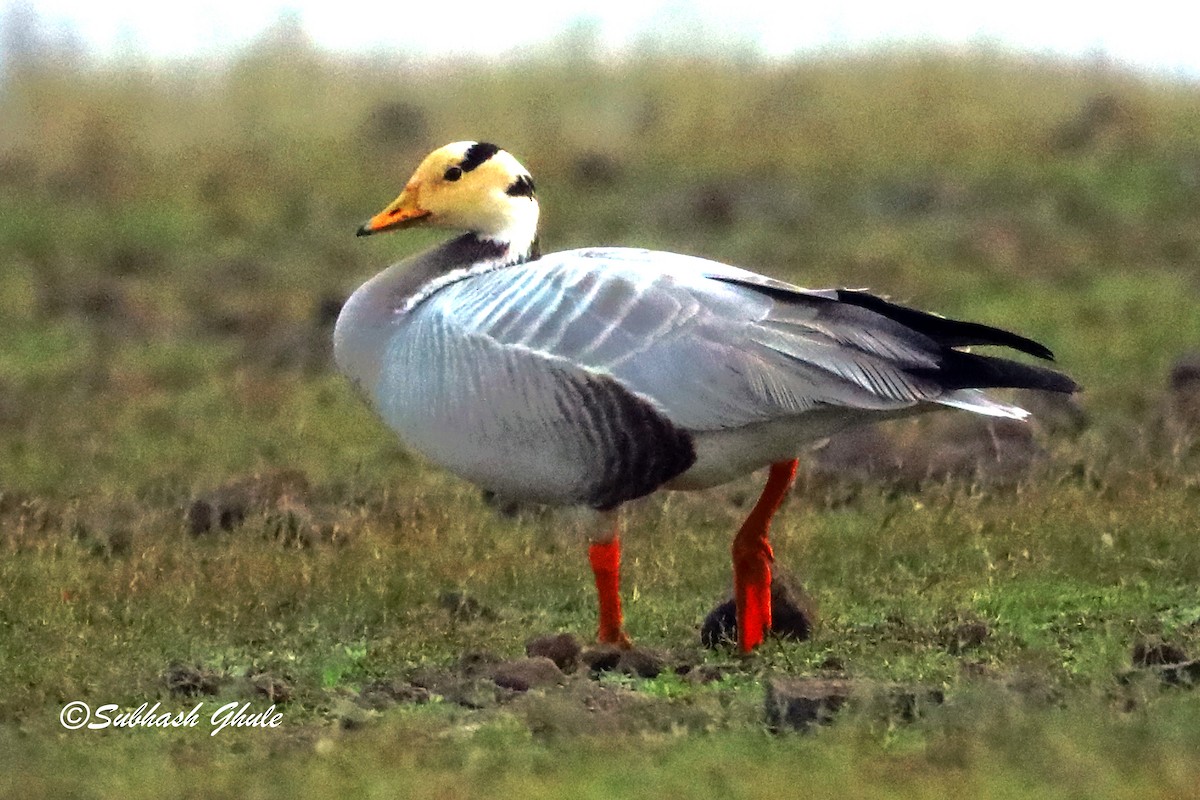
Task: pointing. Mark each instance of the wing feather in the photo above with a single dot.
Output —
(713, 346)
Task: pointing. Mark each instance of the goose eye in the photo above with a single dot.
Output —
(453, 174)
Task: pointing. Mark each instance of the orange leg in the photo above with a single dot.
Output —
(752, 557)
(606, 566)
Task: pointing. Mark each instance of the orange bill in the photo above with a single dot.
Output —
(402, 212)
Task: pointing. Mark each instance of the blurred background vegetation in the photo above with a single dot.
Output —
(176, 238)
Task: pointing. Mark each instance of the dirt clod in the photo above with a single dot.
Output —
(601, 657)
(524, 674)
(273, 688)
(1167, 661)
(793, 614)
(1156, 652)
(185, 680)
(799, 703)
(562, 648)
(704, 674)
(1185, 674)
(468, 692)
(382, 695)
(638, 662)
(227, 506)
(641, 663)
(468, 683)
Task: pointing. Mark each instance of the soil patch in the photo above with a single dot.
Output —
(801, 703)
(184, 680)
(227, 506)
(563, 649)
(793, 615)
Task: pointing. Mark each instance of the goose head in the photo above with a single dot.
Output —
(468, 186)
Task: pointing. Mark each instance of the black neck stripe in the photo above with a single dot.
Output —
(477, 154)
(521, 187)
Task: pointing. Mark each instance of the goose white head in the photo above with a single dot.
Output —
(468, 186)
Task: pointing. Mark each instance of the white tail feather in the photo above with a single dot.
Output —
(979, 403)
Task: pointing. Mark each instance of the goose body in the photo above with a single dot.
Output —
(593, 377)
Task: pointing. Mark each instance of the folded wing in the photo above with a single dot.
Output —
(716, 347)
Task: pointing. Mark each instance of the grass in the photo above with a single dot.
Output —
(170, 238)
(984, 749)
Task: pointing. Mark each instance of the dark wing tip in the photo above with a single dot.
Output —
(959, 370)
(956, 369)
(1030, 346)
(946, 332)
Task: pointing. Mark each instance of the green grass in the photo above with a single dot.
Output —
(984, 748)
(167, 237)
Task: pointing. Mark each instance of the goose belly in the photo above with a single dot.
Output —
(477, 417)
(724, 455)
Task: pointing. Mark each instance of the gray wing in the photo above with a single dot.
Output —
(710, 346)
(528, 425)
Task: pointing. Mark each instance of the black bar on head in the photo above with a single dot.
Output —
(477, 154)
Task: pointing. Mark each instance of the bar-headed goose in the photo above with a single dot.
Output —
(594, 377)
